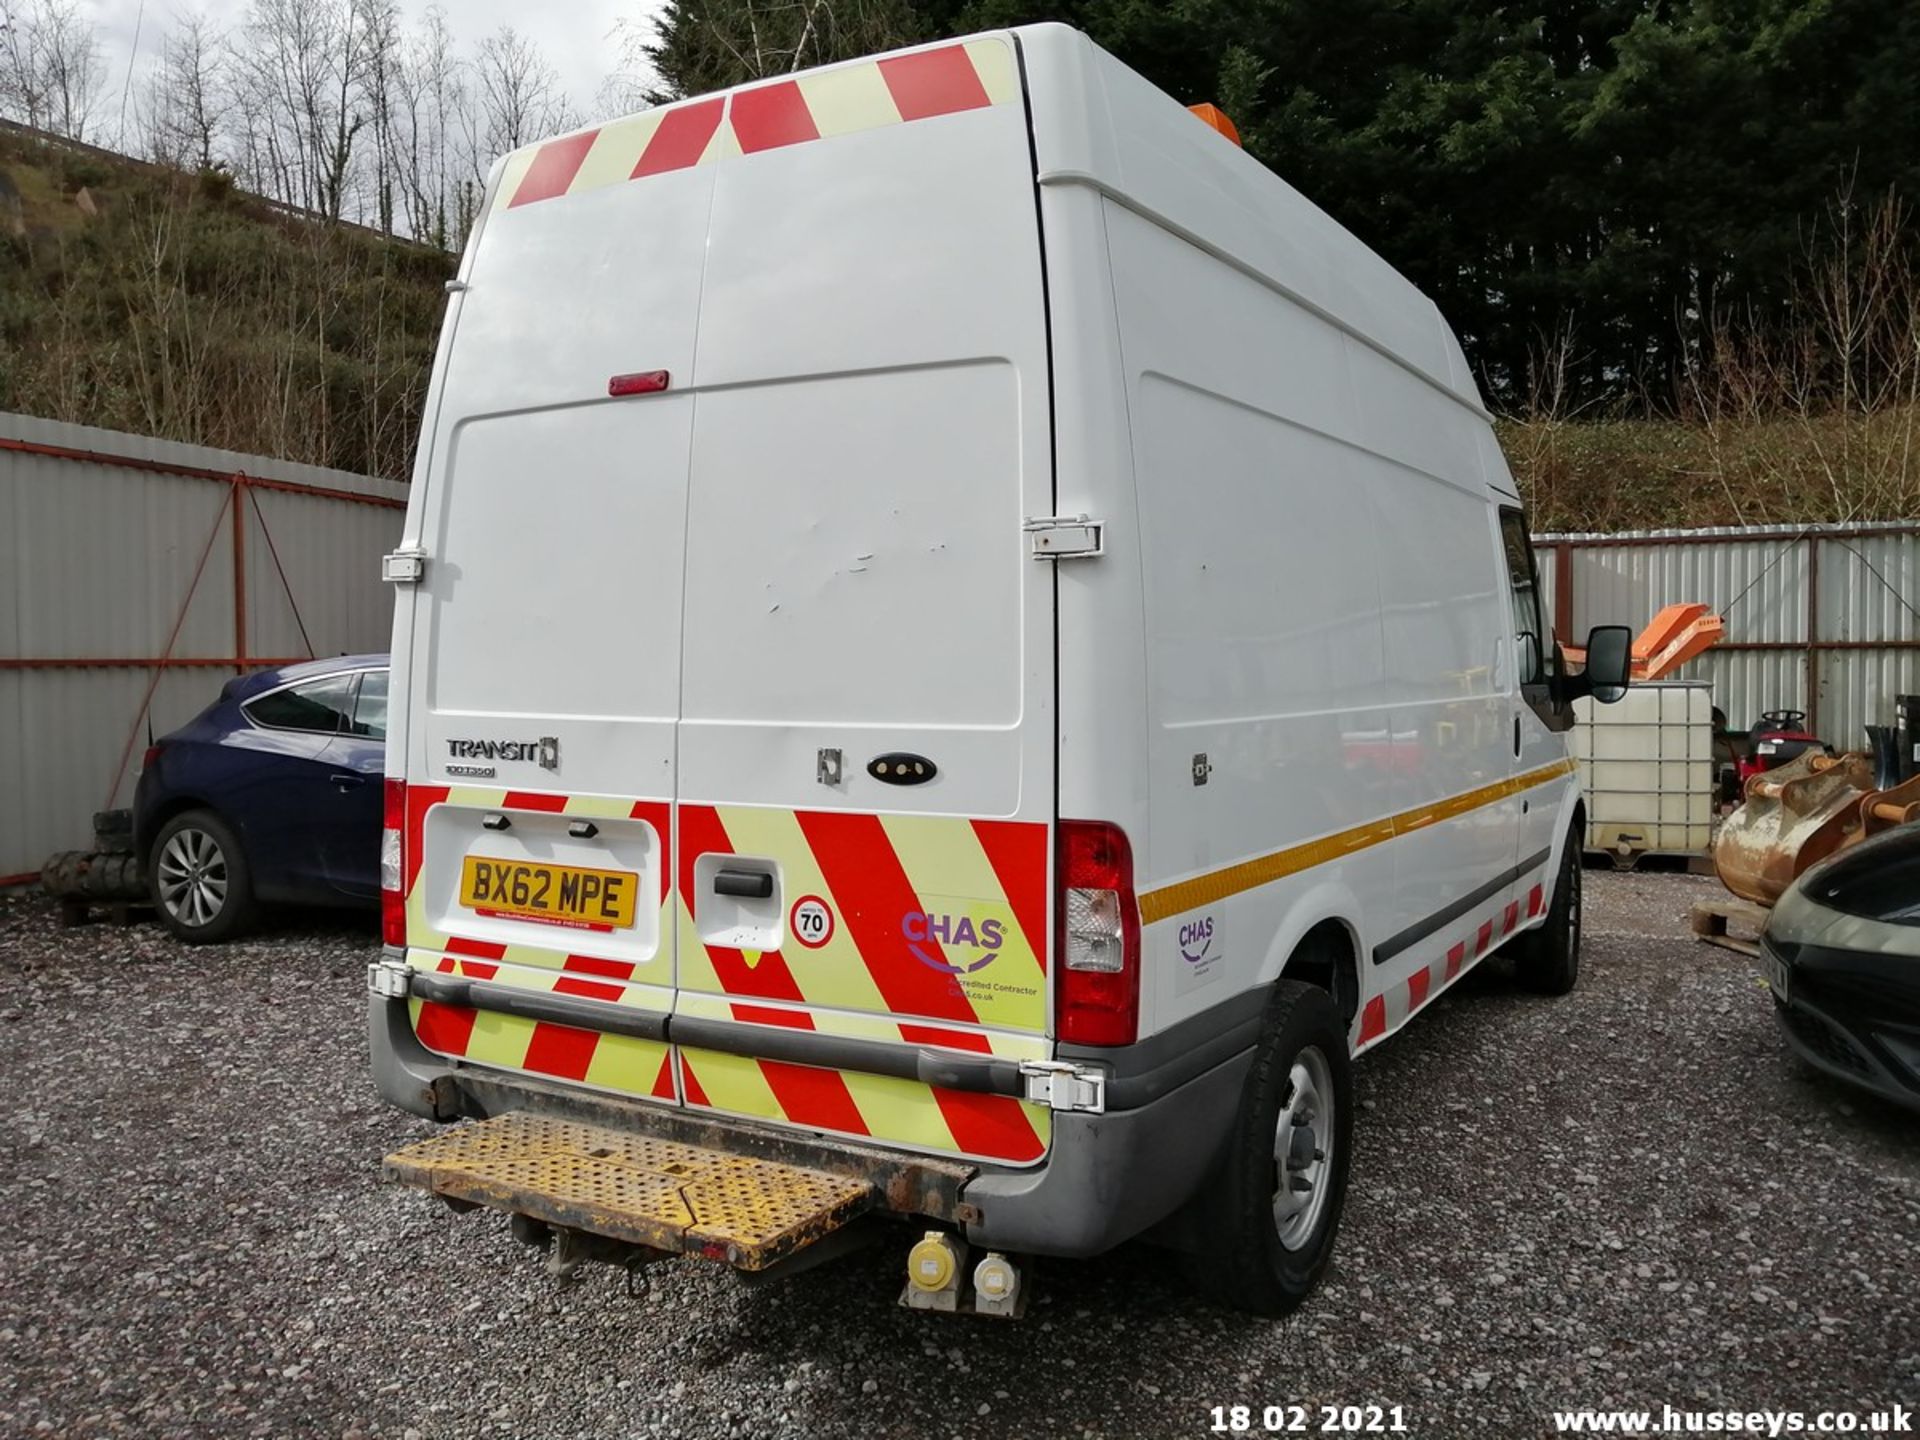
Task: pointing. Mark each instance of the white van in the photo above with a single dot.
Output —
(959, 650)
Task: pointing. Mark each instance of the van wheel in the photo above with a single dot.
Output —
(197, 875)
(1271, 1222)
(1547, 960)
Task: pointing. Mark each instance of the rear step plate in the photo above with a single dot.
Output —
(658, 1193)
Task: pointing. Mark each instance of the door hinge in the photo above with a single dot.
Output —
(388, 980)
(1060, 1086)
(1066, 537)
(404, 567)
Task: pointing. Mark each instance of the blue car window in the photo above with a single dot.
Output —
(319, 706)
(370, 707)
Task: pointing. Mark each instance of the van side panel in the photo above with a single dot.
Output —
(1267, 722)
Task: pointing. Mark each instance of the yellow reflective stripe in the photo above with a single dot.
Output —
(732, 1082)
(1217, 885)
(499, 1039)
(852, 98)
(901, 1111)
(512, 173)
(993, 63)
(616, 149)
(626, 1063)
(601, 807)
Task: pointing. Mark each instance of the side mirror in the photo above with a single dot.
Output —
(1609, 662)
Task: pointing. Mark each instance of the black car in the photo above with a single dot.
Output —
(1841, 953)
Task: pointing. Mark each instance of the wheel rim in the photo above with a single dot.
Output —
(1303, 1143)
(193, 877)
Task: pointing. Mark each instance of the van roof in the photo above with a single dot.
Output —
(1096, 122)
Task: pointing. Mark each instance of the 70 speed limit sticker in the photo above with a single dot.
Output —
(811, 921)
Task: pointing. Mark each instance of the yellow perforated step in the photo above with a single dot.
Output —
(749, 1213)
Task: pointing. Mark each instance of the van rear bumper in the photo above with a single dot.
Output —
(1107, 1177)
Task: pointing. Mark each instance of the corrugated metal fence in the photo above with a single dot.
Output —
(143, 572)
(1821, 619)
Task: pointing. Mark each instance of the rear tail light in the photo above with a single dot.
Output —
(152, 757)
(1097, 991)
(393, 864)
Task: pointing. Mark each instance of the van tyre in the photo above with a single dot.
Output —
(1547, 960)
(197, 875)
(1270, 1223)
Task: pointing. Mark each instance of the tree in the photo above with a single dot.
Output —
(699, 45)
(51, 69)
(187, 99)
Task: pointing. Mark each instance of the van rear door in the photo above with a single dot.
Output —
(769, 628)
(867, 733)
(545, 686)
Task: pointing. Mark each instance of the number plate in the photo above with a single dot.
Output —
(1779, 977)
(551, 894)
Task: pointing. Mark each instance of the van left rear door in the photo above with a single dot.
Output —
(545, 684)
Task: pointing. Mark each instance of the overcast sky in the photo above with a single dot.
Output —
(575, 35)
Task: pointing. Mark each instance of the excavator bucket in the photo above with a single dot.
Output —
(1794, 817)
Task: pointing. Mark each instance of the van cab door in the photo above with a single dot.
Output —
(866, 749)
(1539, 754)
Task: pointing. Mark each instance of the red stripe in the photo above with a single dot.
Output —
(1373, 1019)
(1512, 917)
(808, 1096)
(1456, 957)
(534, 800)
(681, 139)
(1418, 984)
(479, 969)
(701, 833)
(659, 814)
(875, 896)
(420, 799)
(1017, 850)
(561, 1050)
(663, 1082)
(934, 82)
(772, 116)
(594, 965)
(554, 166)
(767, 1015)
(1484, 938)
(1535, 898)
(951, 1039)
(483, 949)
(590, 989)
(446, 1028)
(994, 1125)
(691, 1082)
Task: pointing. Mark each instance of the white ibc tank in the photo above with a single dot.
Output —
(1646, 765)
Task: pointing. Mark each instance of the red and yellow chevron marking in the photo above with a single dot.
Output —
(874, 872)
(819, 105)
(865, 980)
(1429, 981)
(621, 1063)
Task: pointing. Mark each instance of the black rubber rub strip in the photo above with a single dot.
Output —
(1420, 930)
(986, 1074)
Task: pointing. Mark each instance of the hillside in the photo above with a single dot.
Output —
(147, 300)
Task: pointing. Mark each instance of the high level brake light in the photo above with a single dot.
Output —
(1097, 996)
(393, 863)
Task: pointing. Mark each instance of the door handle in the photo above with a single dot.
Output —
(752, 884)
(1516, 734)
(347, 782)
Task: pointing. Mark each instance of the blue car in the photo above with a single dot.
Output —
(270, 794)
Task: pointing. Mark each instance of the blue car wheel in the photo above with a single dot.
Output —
(198, 877)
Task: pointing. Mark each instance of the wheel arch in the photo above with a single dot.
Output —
(1328, 956)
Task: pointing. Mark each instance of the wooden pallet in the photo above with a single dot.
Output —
(1712, 919)
(78, 910)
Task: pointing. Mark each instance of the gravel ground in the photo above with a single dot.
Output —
(1628, 1197)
